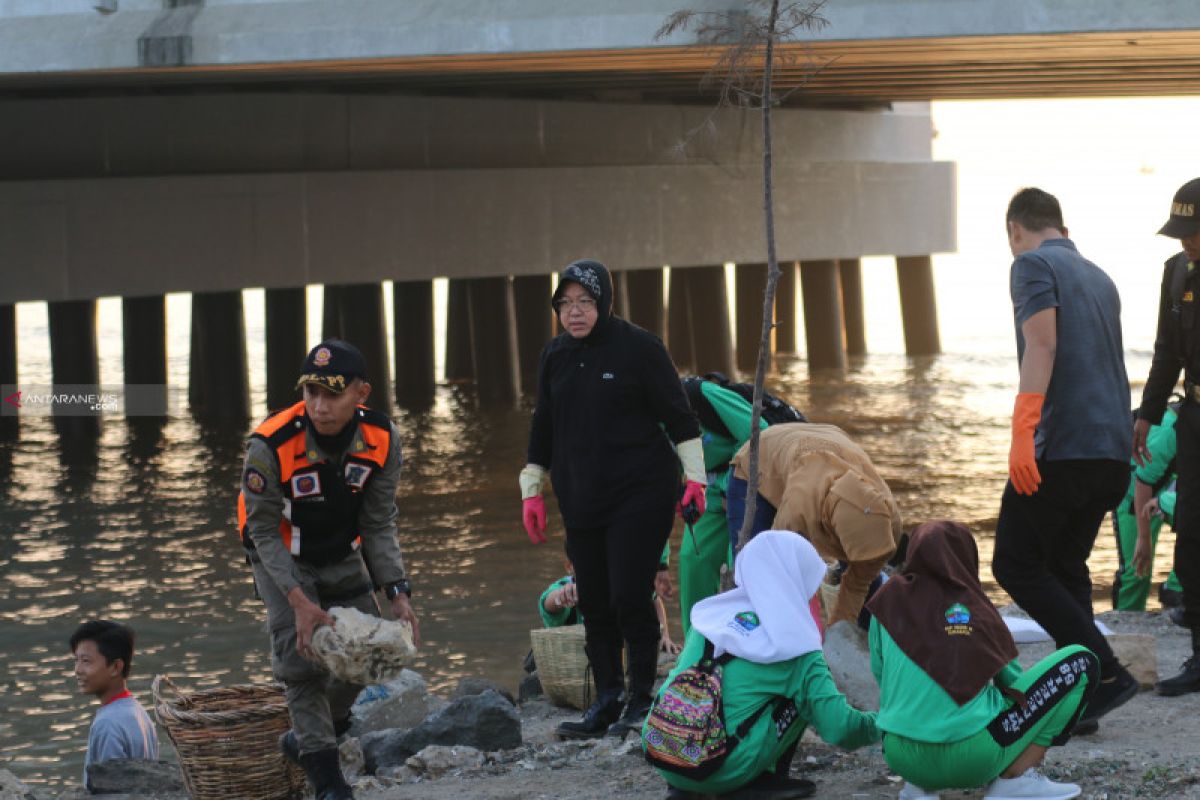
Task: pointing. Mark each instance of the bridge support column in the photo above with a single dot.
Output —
(535, 324)
(458, 365)
(287, 335)
(494, 340)
(823, 328)
(850, 273)
(218, 385)
(144, 341)
(786, 320)
(73, 357)
(750, 284)
(918, 305)
(357, 317)
(8, 364)
(412, 309)
(643, 294)
(699, 318)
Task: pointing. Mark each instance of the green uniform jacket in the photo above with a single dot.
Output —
(1161, 443)
(747, 686)
(734, 411)
(913, 705)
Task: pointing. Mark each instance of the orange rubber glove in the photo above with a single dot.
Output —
(1022, 460)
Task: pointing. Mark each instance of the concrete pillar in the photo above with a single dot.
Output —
(144, 342)
(412, 306)
(218, 384)
(73, 358)
(458, 331)
(850, 273)
(358, 318)
(494, 340)
(750, 285)
(287, 337)
(786, 320)
(699, 317)
(823, 328)
(918, 305)
(8, 366)
(535, 323)
(643, 292)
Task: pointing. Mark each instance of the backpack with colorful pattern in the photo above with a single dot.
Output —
(685, 729)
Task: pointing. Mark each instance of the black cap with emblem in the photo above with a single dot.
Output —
(1183, 221)
(333, 364)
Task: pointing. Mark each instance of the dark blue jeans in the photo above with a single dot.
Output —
(735, 510)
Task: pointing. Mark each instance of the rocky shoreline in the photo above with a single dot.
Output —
(409, 743)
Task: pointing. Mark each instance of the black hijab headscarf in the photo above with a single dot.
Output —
(937, 613)
(595, 279)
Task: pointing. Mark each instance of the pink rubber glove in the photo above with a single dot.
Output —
(534, 517)
(692, 493)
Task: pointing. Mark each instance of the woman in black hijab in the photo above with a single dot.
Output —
(613, 427)
(956, 710)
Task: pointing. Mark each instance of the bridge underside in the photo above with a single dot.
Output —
(822, 73)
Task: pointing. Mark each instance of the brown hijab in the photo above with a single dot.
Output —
(937, 613)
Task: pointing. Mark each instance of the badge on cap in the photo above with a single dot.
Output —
(322, 356)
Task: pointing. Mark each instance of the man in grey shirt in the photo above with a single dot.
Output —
(1071, 433)
(318, 499)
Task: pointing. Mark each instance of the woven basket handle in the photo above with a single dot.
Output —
(158, 690)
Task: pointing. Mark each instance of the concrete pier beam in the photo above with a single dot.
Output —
(8, 361)
(412, 307)
(823, 326)
(73, 358)
(643, 299)
(144, 342)
(787, 322)
(287, 335)
(494, 340)
(535, 323)
(918, 305)
(218, 383)
(699, 320)
(749, 286)
(850, 273)
(458, 365)
(357, 317)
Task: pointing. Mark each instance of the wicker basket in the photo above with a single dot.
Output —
(228, 741)
(562, 665)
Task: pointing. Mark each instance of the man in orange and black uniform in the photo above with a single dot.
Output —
(318, 499)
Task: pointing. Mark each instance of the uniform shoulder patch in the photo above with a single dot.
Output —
(255, 481)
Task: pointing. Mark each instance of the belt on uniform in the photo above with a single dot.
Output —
(1191, 391)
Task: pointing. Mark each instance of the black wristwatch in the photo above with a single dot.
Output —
(402, 586)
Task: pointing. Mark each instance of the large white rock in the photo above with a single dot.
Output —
(363, 649)
(436, 759)
(403, 702)
(850, 664)
(11, 787)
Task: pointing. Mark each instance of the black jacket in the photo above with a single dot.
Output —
(1177, 342)
(606, 406)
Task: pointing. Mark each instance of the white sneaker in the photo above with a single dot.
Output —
(1032, 784)
(913, 792)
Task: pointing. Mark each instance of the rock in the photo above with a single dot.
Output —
(1138, 653)
(351, 756)
(402, 774)
(486, 722)
(436, 760)
(11, 787)
(850, 664)
(363, 649)
(400, 703)
(473, 685)
(134, 776)
(530, 688)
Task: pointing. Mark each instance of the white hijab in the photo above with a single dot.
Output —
(766, 618)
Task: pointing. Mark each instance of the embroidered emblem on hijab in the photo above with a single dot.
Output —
(744, 622)
(587, 277)
(958, 620)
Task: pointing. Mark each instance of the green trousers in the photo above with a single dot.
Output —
(1056, 690)
(1130, 591)
(704, 548)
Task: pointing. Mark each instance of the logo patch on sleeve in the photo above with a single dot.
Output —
(357, 474)
(255, 481)
(306, 485)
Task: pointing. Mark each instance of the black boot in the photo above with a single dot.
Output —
(596, 719)
(1188, 680)
(290, 747)
(325, 774)
(643, 668)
